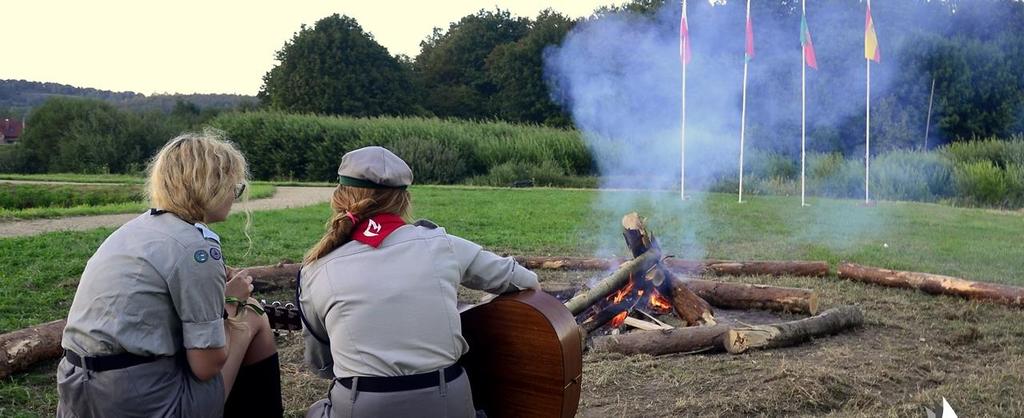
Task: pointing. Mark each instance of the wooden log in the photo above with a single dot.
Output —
(690, 307)
(787, 334)
(20, 349)
(935, 284)
(678, 340)
(613, 282)
(645, 325)
(767, 268)
(753, 296)
(282, 275)
(273, 277)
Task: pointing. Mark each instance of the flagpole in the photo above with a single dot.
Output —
(682, 153)
(867, 129)
(803, 112)
(743, 111)
(928, 121)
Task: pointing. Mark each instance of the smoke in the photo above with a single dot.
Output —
(620, 75)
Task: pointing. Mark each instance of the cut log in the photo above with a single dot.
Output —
(678, 340)
(935, 284)
(20, 349)
(787, 334)
(753, 296)
(282, 275)
(613, 282)
(273, 277)
(690, 307)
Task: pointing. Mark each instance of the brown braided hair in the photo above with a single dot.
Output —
(361, 203)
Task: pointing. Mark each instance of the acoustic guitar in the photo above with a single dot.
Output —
(525, 356)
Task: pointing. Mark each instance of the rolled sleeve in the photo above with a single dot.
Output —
(488, 271)
(197, 291)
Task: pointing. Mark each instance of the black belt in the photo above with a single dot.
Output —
(402, 383)
(111, 362)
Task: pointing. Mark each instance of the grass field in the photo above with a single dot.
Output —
(19, 201)
(914, 349)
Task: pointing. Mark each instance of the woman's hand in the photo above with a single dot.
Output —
(239, 286)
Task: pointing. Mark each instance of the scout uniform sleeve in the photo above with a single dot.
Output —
(484, 270)
(197, 291)
(317, 354)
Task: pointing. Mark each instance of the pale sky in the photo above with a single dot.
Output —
(211, 46)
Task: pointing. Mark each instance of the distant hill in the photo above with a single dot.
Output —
(24, 95)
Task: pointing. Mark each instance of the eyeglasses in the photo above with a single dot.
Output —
(239, 189)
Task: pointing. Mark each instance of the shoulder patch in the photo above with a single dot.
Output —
(200, 256)
(426, 224)
(215, 253)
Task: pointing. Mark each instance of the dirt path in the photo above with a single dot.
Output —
(284, 197)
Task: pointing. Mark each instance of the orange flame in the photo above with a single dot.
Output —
(619, 319)
(622, 293)
(658, 302)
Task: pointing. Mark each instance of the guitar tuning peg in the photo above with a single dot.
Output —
(263, 301)
(276, 304)
(289, 305)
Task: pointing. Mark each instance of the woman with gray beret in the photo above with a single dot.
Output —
(156, 329)
(378, 297)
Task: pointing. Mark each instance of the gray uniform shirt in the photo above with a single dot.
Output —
(392, 310)
(154, 287)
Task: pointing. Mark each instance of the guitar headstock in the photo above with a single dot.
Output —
(282, 316)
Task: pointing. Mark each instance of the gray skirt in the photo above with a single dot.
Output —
(162, 388)
(449, 399)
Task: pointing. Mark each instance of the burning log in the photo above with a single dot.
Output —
(690, 307)
(787, 334)
(610, 284)
(678, 340)
(935, 284)
(21, 349)
(752, 296)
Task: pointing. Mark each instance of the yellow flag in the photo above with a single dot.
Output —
(871, 50)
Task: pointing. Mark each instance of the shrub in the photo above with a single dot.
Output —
(23, 196)
(981, 183)
(911, 175)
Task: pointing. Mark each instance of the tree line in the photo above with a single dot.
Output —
(489, 65)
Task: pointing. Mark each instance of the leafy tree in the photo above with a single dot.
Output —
(517, 69)
(451, 67)
(337, 68)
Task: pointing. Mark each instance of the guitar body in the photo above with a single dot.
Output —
(525, 356)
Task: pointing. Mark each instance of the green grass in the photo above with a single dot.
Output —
(256, 191)
(38, 280)
(40, 272)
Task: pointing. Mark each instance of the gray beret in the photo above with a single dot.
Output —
(374, 168)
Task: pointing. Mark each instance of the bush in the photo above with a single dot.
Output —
(1000, 152)
(834, 176)
(911, 175)
(307, 147)
(518, 174)
(981, 183)
(23, 196)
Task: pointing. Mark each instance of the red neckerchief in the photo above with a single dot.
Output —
(372, 231)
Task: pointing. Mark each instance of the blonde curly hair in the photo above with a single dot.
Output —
(195, 173)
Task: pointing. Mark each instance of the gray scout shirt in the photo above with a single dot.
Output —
(392, 310)
(154, 287)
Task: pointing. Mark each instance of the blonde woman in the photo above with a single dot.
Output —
(156, 328)
(378, 298)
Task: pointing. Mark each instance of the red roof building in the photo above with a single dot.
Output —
(10, 130)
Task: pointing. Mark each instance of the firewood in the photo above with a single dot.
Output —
(566, 263)
(613, 282)
(935, 284)
(754, 296)
(644, 325)
(20, 349)
(787, 334)
(690, 307)
(678, 340)
(278, 276)
(717, 267)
